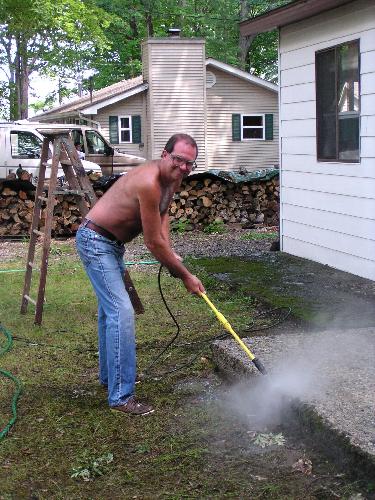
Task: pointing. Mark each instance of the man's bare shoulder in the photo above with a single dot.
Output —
(143, 177)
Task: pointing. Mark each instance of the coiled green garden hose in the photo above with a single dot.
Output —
(17, 383)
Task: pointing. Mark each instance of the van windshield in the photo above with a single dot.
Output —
(95, 143)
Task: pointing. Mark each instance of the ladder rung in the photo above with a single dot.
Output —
(31, 264)
(78, 192)
(30, 299)
(39, 233)
(42, 198)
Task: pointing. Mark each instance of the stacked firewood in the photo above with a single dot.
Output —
(204, 201)
(199, 202)
(16, 211)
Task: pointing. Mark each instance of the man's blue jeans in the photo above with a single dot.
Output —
(104, 264)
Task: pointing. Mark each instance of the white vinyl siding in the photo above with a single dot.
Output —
(129, 107)
(232, 95)
(327, 209)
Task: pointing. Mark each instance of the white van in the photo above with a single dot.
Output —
(20, 146)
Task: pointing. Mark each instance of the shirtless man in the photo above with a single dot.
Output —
(137, 202)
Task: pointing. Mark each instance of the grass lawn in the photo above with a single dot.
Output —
(67, 444)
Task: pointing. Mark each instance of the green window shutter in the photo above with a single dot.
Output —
(113, 130)
(136, 129)
(269, 127)
(236, 127)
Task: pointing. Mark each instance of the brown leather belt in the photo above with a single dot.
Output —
(100, 230)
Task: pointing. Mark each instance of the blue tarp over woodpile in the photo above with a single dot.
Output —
(264, 174)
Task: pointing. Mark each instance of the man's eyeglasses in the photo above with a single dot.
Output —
(179, 161)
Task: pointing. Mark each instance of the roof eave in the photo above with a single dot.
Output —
(92, 109)
(288, 14)
(239, 73)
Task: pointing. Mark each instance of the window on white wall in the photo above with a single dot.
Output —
(125, 128)
(338, 102)
(252, 127)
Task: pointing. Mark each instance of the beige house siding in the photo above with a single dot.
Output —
(176, 100)
(129, 107)
(147, 98)
(232, 95)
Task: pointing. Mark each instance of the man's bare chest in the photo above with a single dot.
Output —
(165, 199)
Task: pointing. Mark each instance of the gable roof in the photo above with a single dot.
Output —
(126, 88)
(290, 13)
(232, 70)
(100, 98)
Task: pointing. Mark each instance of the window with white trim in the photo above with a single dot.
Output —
(125, 128)
(252, 127)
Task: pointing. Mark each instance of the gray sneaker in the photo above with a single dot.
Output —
(134, 407)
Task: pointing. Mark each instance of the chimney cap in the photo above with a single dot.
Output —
(174, 32)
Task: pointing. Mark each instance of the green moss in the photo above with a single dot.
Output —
(263, 280)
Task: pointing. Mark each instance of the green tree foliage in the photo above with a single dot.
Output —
(65, 38)
(214, 20)
(45, 36)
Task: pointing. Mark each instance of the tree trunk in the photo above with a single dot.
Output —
(150, 26)
(244, 41)
(134, 27)
(17, 79)
(11, 81)
(21, 81)
(24, 87)
(244, 46)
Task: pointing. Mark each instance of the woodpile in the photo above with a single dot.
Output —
(199, 202)
(204, 201)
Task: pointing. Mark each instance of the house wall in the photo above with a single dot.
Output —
(133, 105)
(176, 99)
(327, 208)
(233, 95)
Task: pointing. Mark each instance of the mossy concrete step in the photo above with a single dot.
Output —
(326, 379)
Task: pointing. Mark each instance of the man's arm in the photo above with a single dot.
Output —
(165, 229)
(166, 232)
(157, 240)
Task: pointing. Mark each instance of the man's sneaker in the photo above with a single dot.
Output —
(134, 407)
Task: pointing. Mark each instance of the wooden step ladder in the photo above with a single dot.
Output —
(65, 153)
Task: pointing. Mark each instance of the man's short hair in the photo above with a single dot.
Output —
(169, 147)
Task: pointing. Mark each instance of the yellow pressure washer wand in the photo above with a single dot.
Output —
(228, 327)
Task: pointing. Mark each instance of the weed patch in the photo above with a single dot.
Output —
(259, 236)
(215, 227)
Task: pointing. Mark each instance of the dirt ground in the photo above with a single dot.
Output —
(239, 459)
(191, 243)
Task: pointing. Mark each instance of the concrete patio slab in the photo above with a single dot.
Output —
(326, 378)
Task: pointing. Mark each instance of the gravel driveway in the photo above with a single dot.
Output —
(192, 243)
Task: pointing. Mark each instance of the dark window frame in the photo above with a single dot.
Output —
(336, 48)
